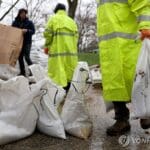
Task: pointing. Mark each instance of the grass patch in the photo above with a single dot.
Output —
(91, 58)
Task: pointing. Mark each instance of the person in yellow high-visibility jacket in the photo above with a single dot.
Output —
(61, 36)
(118, 23)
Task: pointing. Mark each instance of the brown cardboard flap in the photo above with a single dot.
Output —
(11, 40)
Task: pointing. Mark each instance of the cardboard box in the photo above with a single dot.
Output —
(11, 40)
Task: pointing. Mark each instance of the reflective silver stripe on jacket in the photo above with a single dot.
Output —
(143, 18)
(60, 33)
(118, 34)
(101, 2)
(63, 33)
(63, 54)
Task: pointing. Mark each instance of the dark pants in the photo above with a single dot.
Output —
(25, 53)
(121, 111)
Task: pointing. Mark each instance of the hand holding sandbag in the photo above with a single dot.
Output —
(145, 33)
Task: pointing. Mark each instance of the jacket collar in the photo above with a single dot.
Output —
(61, 12)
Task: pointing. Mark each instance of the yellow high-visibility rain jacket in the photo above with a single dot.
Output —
(61, 35)
(118, 22)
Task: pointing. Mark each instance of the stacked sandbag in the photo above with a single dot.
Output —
(7, 72)
(18, 115)
(74, 114)
(38, 57)
(49, 121)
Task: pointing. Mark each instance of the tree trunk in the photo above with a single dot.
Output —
(72, 7)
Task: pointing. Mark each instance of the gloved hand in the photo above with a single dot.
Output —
(145, 33)
(46, 50)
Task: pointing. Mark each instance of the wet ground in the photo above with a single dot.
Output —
(137, 139)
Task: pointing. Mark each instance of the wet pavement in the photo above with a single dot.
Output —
(137, 139)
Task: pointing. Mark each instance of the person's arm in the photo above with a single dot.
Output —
(48, 34)
(141, 8)
(31, 29)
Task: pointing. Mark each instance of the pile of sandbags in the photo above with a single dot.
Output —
(24, 106)
(74, 114)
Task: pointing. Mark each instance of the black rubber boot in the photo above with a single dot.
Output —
(145, 123)
(122, 124)
(120, 127)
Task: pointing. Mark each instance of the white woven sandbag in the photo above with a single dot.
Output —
(141, 86)
(74, 113)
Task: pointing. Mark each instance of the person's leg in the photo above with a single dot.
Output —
(21, 63)
(121, 111)
(67, 87)
(27, 50)
(122, 124)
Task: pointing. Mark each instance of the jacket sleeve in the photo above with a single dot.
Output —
(31, 29)
(141, 8)
(48, 34)
(14, 24)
